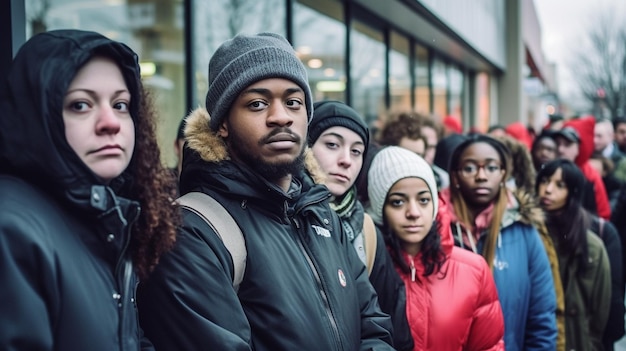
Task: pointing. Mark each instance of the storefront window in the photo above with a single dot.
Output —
(440, 86)
(399, 73)
(319, 40)
(367, 71)
(217, 21)
(154, 29)
(456, 92)
(422, 85)
(483, 87)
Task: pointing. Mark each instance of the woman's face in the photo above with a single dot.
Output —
(479, 174)
(339, 152)
(553, 191)
(98, 124)
(408, 211)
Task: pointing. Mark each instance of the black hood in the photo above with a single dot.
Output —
(32, 134)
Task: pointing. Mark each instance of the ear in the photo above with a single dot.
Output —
(223, 130)
(454, 181)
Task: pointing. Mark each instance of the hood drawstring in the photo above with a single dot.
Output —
(459, 235)
(411, 266)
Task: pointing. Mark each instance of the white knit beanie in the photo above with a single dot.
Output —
(391, 164)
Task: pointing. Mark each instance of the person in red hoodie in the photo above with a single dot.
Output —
(520, 132)
(575, 143)
(452, 301)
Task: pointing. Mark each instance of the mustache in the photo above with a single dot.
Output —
(280, 130)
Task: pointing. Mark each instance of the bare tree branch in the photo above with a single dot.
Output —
(599, 64)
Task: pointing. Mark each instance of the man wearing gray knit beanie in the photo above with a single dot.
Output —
(301, 285)
(243, 60)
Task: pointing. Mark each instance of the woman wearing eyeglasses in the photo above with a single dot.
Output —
(489, 220)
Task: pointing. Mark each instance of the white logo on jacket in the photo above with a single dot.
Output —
(321, 231)
(500, 265)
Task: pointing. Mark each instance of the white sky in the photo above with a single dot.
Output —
(563, 22)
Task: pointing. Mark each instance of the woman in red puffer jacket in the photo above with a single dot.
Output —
(452, 301)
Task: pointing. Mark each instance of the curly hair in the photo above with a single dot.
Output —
(404, 124)
(154, 187)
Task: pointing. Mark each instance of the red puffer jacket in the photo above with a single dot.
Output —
(457, 308)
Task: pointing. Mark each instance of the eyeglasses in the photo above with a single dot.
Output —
(470, 169)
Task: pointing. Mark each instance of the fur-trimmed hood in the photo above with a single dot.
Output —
(525, 209)
(210, 147)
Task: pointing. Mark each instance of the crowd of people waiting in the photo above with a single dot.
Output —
(417, 236)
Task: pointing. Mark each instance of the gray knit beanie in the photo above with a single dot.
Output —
(245, 60)
(391, 164)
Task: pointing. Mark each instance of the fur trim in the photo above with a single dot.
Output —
(529, 211)
(212, 148)
(314, 169)
(202, 139)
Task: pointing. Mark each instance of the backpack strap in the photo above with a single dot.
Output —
(224, 226)
(369, 232)
(600, 226)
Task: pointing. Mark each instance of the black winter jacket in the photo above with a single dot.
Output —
(66, 276)
(384, 278)
(304, 287)
(614, 329)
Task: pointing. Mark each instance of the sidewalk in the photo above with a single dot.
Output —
(621, 344)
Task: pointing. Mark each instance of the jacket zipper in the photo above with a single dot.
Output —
(124, 298)
(322, 289)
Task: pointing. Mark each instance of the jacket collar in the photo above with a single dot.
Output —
(207, 165)
(211, 147)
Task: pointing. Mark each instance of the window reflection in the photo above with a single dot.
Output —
(154, 29)
(483, 98)
(440, 85)
(218, 21)
(399, 73)
(319, 40)
(422, 86)
(367, 71)
(456, 92)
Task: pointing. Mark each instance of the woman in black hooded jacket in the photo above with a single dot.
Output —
(86, 205)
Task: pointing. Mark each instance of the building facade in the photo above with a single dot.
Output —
(478, 61)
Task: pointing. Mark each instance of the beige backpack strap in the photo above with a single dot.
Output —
(369, 233)
(224, 226)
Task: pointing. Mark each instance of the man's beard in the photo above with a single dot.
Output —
(270, 171)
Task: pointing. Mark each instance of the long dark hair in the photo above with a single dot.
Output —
(432, 255)
(568, 225)
(461, 208)
(155, 189)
